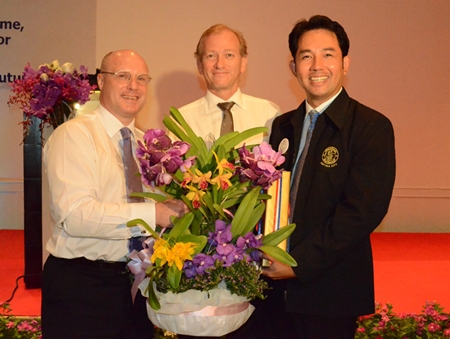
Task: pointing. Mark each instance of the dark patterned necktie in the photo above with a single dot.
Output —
(313, 115)
(133, 180)
(227, 121)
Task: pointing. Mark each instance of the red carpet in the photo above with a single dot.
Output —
(410, 268)
(25, 302)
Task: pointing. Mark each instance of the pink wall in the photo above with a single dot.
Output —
(400, 66)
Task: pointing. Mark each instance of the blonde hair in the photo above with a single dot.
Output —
(218, 28)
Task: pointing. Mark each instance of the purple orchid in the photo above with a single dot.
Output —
(202, 262)
(156, 139)
(187, 163)
(259, 166)
(189, 269)
(226, 253)
(198, 265)
(248, 241)
(159, 158)
(221, 235)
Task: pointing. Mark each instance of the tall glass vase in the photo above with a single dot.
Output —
(61, 112)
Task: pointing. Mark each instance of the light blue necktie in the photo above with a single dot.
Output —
(313, 115)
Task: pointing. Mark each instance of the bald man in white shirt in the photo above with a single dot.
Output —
(86, 290)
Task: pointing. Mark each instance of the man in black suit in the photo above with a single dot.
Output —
(343, 193)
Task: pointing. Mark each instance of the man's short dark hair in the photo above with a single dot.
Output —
(318, 22)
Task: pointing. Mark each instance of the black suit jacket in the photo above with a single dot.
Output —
(343, 195)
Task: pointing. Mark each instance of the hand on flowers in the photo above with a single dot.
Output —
(168, 208)
(277, 270)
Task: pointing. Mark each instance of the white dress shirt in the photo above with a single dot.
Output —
(205, 117)
(88, 202)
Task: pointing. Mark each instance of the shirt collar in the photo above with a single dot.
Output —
(111, 124)
(322, 107)
(212, 100)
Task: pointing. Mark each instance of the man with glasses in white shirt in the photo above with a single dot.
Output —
(86, 290)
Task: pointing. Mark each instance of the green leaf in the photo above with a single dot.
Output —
(243, 136)
(174, 276)
(181, 225)
(198, 145)
(186, 201)
(154, 196)
(231, 202)
(231, 193)
(219, 210)
(154, 273)
(278, 236)
(136, 222)
(152, 298)
(278, 254)
(264, 196)
(255, 216)
(208, 201)
(242, 215)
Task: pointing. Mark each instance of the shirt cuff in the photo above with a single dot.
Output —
(146, 212)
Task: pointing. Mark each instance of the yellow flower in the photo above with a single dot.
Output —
(187, 178)
(223, 179)
(160, 251)
(225, 165)
(201, 179)
(195, 196)
(180, 253)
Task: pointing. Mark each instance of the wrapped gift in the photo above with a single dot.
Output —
(277, 208)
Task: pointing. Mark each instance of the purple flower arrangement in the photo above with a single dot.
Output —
(223, 187)
(48, 92)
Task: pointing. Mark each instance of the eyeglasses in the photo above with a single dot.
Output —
(124, 76)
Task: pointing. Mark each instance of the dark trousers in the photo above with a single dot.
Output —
(271, 321)
(297, 326)
(321, 327)
(84, 301)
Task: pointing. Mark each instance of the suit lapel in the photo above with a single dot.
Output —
(297, 120)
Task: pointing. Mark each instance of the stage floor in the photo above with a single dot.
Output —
(410, 269)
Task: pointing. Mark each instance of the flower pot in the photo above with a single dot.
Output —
(210, 321)
(212, 313)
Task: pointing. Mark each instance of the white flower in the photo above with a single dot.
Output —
(55, 65)
(44, 76)
(44, 65)
(68, 67)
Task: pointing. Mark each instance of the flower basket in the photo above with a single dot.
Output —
(212, 313)
(202, 273)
